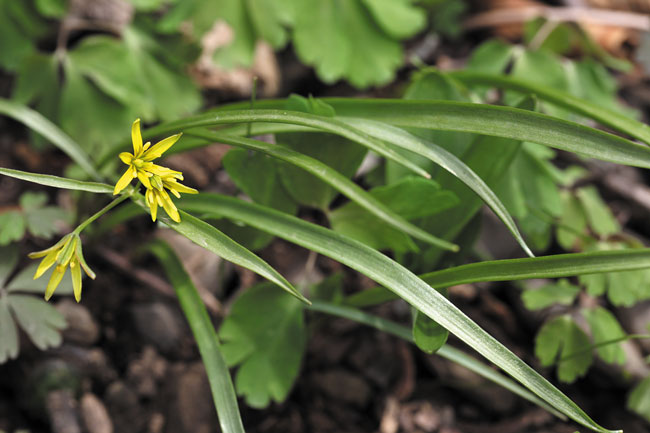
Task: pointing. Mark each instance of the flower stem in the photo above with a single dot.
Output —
(101, 212)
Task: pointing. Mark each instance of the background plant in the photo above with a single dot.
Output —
(421, 201)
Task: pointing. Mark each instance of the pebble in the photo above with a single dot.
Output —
(82, 328)
(191, 409)
(62, 411)
(345, 386)
(94, 415)
(158, 324)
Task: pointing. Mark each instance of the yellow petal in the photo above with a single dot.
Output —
(55, 279)
(46, 263)
(43, 253)
(170, 208)
(82, 261)
(136, 138)
(161, 147)
(75, 271)
(144, 179)
(124, 181)
(153, 206)
(126, 157)
(180, 188)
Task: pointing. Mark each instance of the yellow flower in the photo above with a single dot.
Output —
(139, 161)
(66, 252)
(157, 196)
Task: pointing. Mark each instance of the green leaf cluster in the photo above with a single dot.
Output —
(354, 40)
(31, 215)
(39, 320)
(96, 87)
(265, 336)
(562, 342)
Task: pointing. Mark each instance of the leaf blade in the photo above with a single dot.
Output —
(57, 182)
(49, 130)
(383, 270)
(221, 385)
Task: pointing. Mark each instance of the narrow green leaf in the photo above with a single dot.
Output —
(208, 237)
(446, 160)
(321, 123)
(57, 182)
(605, 116)
(446, 351)
(556, 266)
(400, 280)
(49, 130)
(498, 121)
(223, 392)
(333, 178)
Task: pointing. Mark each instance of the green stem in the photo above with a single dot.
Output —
(101, 212)
(591, 347)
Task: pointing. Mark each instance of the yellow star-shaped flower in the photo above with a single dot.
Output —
(139, 161)
(157, 196)
(66, 252)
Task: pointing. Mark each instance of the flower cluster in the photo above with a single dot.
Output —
(66, 252)
(155, 178)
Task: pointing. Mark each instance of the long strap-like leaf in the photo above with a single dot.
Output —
(446, 160)
(326, 124)
(223, 392)
(56, 181)
(212, 239)
(49, 130)
(556, 266)
(498, 121)
(395, 277)
(604, 116)
(333, 178)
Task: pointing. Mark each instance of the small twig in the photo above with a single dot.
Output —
(614, 18)
(150, 279)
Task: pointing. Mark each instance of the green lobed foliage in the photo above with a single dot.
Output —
(463, 151)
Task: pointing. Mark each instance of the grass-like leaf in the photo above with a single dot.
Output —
(221, 385)
(498, 121)
(394, 276)
(321, 123)
(50, 131)
(604, 116)
(208, 237)
(57, 182)
(446, 160)
(333, 178)
(556, 266)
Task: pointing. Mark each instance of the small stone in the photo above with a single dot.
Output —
(124, 408)
(159, 325)
(94, 415)
(82, 329)
(345, 386)
(146, 371)
(191, 409)
(427, 418)
(62, 411)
